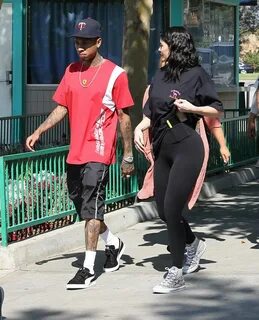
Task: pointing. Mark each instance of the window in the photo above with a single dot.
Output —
(159, 22)
(50, 49)
(212, 26)
(50, 22)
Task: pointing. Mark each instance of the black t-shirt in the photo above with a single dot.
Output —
(194, 85)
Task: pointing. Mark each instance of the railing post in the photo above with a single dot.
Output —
(3, 204)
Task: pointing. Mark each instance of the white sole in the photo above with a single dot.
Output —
(168, 290)
(118, 261)
(81, 286)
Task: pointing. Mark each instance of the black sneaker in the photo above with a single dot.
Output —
(1, 300)
(82, 279)
(113, 256)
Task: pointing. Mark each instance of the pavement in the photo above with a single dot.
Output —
(226, 286)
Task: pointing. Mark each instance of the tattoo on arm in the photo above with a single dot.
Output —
(126, 131)
(56, 116)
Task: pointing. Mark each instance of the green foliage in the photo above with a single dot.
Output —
(248, 76)
(253, 59)
(249, 24)
(249, 19)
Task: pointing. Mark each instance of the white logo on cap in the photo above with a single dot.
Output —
(81, 25)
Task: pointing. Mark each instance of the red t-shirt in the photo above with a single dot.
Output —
(92, 109)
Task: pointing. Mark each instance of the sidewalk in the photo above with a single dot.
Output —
(42, 246)
(225, 287)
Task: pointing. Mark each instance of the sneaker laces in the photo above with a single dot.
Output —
(170, 277)
(81, 273)
(191, 252)
(111, 254)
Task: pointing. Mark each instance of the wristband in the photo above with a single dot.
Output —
(128, 160)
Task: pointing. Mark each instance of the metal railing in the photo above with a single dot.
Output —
(233, 113)
(243, 150)
(34, 191)
(14, 130)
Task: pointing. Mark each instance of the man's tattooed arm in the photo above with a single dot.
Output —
(56, 116)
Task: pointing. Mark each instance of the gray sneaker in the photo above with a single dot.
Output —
(193, 256)
(173, 281)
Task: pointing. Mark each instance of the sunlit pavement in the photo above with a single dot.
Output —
(225, 287)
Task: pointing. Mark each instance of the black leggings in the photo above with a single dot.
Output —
(175, 172)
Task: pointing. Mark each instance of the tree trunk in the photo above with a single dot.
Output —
(135, 50)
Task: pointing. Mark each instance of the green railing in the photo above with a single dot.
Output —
(14, 130)
(34, 192)
(243, 150)
(33, 184)
(234, 113)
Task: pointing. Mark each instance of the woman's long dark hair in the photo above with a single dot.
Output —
(183, 54)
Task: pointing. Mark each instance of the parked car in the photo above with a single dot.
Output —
(248, 2)
(245, 67)
(224, 48)
(208, 59)
(220, 68)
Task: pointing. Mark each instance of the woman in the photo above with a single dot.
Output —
(179, 95)
(214, 127)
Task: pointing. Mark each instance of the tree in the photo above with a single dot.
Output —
(253, 59)
(249, 19)
(135, 50)
(249, 34)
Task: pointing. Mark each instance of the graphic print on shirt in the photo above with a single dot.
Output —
(98, 134)
(109, 106)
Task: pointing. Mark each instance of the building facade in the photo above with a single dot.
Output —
(35, 47)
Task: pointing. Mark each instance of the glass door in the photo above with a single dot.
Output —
(6, 13)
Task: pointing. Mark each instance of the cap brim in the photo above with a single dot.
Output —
(77, 35)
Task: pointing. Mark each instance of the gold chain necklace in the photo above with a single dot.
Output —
(84, 82)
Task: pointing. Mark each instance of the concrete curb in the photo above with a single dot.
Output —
(216, 184)
(70, 238)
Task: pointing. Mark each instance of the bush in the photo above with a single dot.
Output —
(253, 59)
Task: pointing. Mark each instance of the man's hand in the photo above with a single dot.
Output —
(31, 140)
(251, 126)
(56, 116)
(127, 169)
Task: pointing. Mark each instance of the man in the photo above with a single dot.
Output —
(254, 111)
(95, 94)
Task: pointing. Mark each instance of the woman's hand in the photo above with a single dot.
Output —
(139, 139)
(187, 107)
(225, 154)
(184, 106)
(138, 134)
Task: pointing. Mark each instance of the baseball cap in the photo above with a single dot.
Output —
(87, 28)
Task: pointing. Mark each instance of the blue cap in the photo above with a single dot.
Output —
(87, 28)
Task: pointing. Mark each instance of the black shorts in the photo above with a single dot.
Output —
(86, 186)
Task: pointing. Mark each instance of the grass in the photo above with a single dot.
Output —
(248, 76)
